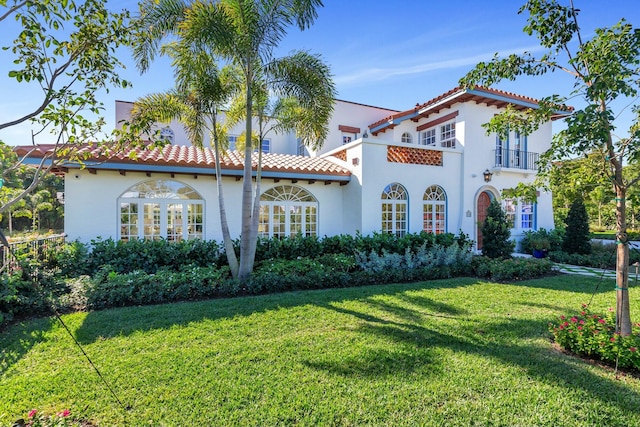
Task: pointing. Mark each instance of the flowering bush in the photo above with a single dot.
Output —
(594, 335)
(38, 419)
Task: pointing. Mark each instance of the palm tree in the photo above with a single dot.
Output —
(245, 33)
(201, 90)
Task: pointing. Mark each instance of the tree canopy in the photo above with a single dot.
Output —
(68, 50)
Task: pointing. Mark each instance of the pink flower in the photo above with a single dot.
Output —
(612, 339)
(574, 319)
(561, 327)
(602, 321)
(579, 328)
(584, 305)
(32, 413)
(562, 317)
(582, 313)
(64, 414)
(633, 349)
(610, 308)
(582, 322)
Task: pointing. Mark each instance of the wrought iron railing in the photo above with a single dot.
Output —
(40, 249)
(516, 159)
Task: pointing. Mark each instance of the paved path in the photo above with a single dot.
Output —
(589, 271)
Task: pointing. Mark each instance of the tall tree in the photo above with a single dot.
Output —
(605, 68)
(245, 33)
(196, 101)
(67, 49)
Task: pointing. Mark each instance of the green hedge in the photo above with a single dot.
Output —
(106, 273)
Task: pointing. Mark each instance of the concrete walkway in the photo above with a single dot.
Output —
(588, 271)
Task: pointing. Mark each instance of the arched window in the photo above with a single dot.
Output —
(394, 209)
(167, 134)
(406, 137)
(434, 210)
(287, 210)
(161, 209)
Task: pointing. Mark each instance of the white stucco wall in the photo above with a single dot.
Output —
(91, 202)
(279, 143)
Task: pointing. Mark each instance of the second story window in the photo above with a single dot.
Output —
(167, 134)
(302, 150)
(448, 135)
(407, 138)
(266, 146)
(232, 142)
(428, 137)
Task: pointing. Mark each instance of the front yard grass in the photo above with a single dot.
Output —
(457, 352)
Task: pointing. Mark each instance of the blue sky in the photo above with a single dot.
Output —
(388, 54)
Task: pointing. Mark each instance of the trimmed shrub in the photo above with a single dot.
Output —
(495, 233)
(510, 269)
(577, 239)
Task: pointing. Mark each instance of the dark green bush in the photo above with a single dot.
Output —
(576, 239)
(112, 289)
(496, 233)
(510, 269)
(554, 237)
(151, 255)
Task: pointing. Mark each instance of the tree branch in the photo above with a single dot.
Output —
(13, 9)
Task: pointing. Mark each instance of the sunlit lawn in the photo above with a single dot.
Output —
(453, 352)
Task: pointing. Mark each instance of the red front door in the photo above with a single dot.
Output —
(483, 204)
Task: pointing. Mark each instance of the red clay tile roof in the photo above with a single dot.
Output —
(189, 156)
(495, 97)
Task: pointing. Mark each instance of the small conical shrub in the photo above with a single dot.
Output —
(496, 233)
(576, 238)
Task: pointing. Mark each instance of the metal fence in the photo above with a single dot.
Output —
(34, 249)
(516, 159)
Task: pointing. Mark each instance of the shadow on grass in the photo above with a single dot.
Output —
(127, 320)
(500, 340)
(18, 339)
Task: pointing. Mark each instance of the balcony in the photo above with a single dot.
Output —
(516, 159)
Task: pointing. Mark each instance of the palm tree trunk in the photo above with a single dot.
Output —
(256, 209)
(232, 259)
(246, 264)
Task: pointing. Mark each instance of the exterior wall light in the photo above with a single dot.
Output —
(487, 175)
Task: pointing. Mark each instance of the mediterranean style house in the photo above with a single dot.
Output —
(431, 168)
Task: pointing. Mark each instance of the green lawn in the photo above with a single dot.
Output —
(455, 352)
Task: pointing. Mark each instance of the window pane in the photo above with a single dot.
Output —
(195, 225)
(128, 221)
(295, 220)
(152, 221)
(263, 220)
(279, 221)
(174, 222)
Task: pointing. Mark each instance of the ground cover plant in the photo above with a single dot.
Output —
(455, 352)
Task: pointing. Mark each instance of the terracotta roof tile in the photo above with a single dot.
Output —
(454, 95)
(181, 155)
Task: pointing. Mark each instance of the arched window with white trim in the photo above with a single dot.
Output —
(394, 209)
(434, 210)
(407, 138)
(287, 210)
(160, 208)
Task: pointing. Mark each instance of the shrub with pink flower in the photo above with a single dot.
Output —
(36, 418)
(594, 335)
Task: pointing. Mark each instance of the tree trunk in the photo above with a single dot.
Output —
(623, 314)
(232, 260)
(246, 263)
